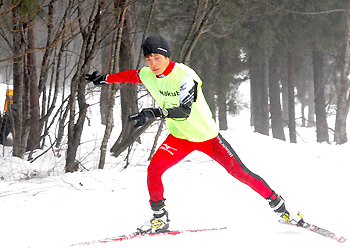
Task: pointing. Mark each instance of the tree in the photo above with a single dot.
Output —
(343, 103)
(220, 39)
(90, 41)
(291, 96)
(259, 40)
(106, 56)
(128, 91)
(222, 92)
(277, 122)
(110, 91)
(32, 116)
(259, 82)
(323, 35)
(18, 87)
(320, 103)
(35, 131)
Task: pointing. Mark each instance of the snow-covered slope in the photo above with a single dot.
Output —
(63, 209)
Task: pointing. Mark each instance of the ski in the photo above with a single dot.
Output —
(318, 230)
(142, 235)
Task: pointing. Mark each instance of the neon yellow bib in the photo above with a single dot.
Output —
(200, 125)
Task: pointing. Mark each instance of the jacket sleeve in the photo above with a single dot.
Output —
(129, 76)
(188, 95)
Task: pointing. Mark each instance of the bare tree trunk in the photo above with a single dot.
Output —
(48, 51)
(106, 59)
(285, 115)
(259, 96)
(275, 103)
(35, 131)
(109, 126)
(320, 103)
(18, 61)
(105, 92)
(209, 90)
(265, 97)
(75, 128)
(222, 107)
(311, 105)
(61, 124)
(25, 108)
(222, 93)
(128, 91)
(47, 106)
(254, 72)
(63, 112)
(120, 8)
(340, 135)
(291, 96)
(88, 50)
(302, 110)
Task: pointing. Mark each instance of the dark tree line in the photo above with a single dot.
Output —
(289, 50)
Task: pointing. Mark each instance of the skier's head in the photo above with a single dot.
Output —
(156, 50)
(156, 44)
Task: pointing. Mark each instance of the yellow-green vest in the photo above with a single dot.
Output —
(200, 125)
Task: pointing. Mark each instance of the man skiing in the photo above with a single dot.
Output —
(177, 90)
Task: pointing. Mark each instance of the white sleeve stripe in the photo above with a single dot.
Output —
(186, 90)
(188, 98)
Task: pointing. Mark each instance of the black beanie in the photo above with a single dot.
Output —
(156, 44)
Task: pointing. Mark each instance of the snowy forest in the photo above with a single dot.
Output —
(275, 75)
(293, 54)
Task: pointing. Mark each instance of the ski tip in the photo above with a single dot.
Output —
(342, 239)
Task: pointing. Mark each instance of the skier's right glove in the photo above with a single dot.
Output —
(97, 78)
(145, 115)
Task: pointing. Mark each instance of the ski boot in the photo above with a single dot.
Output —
(281, 208)
(159, 222)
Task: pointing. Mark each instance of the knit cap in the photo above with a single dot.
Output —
(156, 44)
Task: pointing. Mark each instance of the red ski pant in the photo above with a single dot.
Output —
(173, 150)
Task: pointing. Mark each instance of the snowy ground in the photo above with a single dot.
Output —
(63, 209)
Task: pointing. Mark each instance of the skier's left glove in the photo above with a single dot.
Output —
(97, 78)
(145, 115)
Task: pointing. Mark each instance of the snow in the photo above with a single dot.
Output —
(41, 206)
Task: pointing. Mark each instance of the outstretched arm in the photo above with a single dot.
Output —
(130, 76)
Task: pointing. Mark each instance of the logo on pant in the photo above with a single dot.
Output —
(168, 149)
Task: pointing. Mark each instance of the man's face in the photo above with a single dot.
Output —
(157, 63)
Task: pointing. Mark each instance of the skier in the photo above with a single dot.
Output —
(177, 90)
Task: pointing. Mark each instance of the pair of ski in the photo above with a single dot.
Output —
(306, 226)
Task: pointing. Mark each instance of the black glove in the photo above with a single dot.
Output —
(145, 115)
(97, 78)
